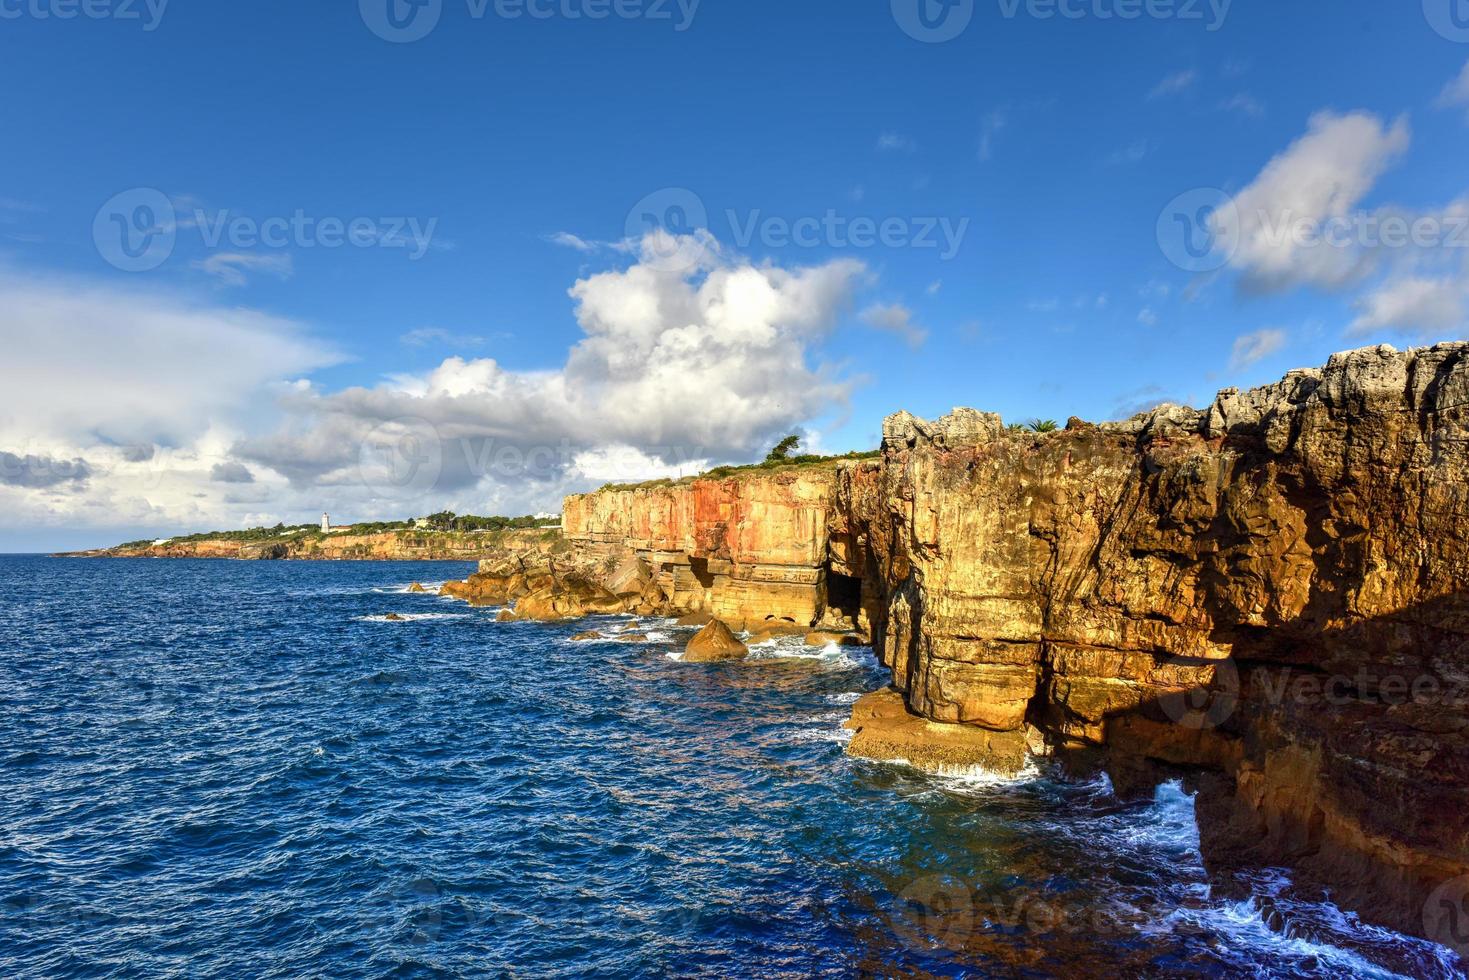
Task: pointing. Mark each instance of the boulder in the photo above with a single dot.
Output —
(820, 638)
(714, 643)
(694, 619)
(416, 587)
(394, 618)
(587, 635)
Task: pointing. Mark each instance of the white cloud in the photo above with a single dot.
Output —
(1244, 105)
(896, 142)
(625, 464)
(1456, 93)
(127, 367)
(1133, 153)
(424, 336)
(120, 402)
(707, 363)
(1147, 317)
(1413, 305)
(1175, 83)
(896, 319)
(1254, 347)
(1321, 177)
(568, 240)
(994, 123)
(934, 287)
(231, 267)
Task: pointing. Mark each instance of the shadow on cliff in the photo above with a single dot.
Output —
(1343, 756)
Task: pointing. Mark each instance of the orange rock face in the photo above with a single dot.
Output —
(1268, 597)
(748, 549)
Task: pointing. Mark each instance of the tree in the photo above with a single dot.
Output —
(783, 449)
(1042, 425)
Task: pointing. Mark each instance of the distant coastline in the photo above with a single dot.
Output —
(443, 537)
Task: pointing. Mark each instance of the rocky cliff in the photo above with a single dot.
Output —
(1266, 597)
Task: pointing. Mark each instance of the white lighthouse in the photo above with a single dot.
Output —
(326, 524)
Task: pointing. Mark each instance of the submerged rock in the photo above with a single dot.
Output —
(714, 643)
(416, 587)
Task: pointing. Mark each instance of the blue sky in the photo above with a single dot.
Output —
(497, 162)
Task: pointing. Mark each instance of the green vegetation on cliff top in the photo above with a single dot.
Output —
(443, 522)
(771, 462)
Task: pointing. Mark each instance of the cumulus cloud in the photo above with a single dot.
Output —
(1253, 348)
(704, 363)
(1321, 178)
(1411, 304)
(41, 472)
(231, 472)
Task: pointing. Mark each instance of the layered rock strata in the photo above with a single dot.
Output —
(1268, 597)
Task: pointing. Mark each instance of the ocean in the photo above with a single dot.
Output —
(244, 769)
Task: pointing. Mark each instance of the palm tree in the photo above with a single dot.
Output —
(1042, 425)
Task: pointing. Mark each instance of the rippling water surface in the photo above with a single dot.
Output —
(229, 769)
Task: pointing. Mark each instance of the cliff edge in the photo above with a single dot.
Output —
(1265, 597)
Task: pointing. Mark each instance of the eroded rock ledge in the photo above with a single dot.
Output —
(1267, 597)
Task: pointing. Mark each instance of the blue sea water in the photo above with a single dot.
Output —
(234, 769)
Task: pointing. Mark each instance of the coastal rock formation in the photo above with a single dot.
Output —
(403, 545)
(714, 643)
(748, 549)
(1265, 597)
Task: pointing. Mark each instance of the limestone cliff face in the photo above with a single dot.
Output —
(1268, 597)
(1269, 594)
(749, 548)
